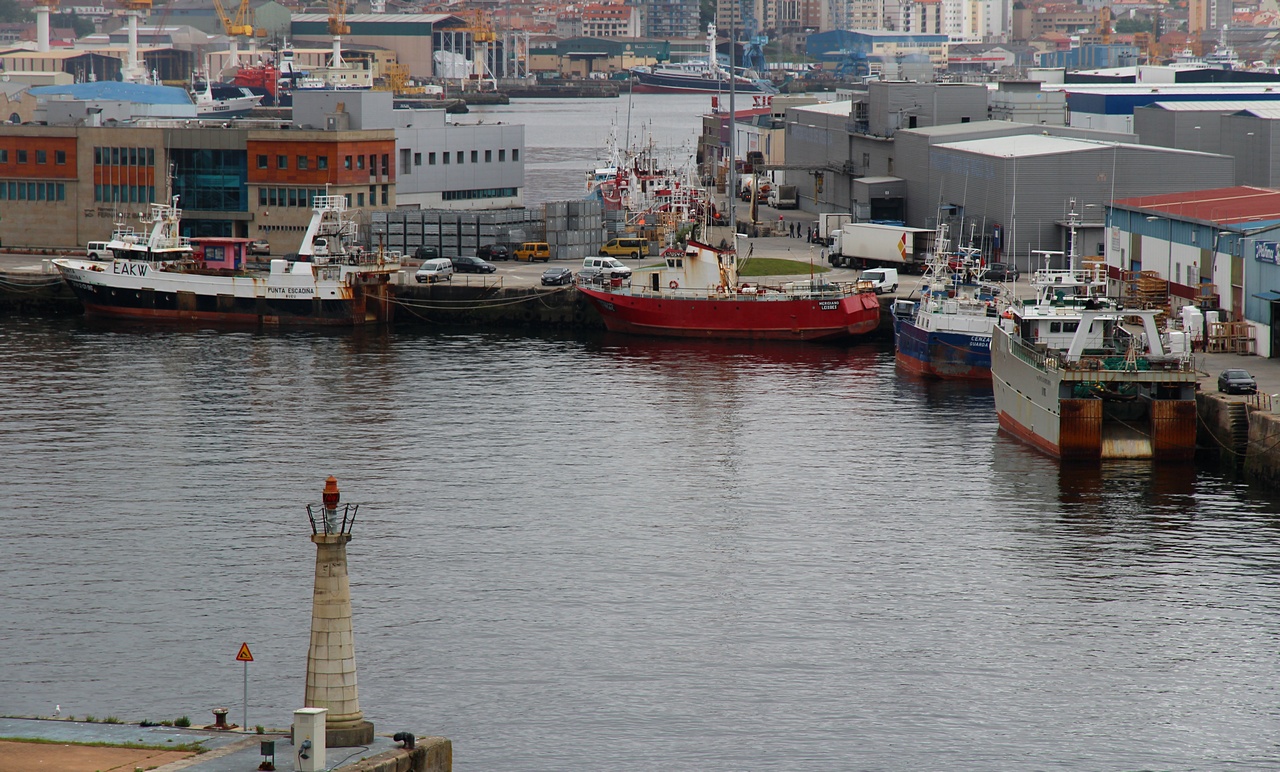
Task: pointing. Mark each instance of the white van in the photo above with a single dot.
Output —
(609, 267)
(97, 250)
(882, 280)
(434, 270)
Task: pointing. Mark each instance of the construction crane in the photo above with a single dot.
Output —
(483, 38)
(338, 27)
(235, 28)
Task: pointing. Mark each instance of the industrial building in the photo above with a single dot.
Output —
(1217, 248)
(1248, 131)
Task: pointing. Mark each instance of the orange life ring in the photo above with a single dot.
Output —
(674, 284)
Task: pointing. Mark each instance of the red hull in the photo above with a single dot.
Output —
(215, 317)
(926, 370)
(1029, 437)
(738, 317)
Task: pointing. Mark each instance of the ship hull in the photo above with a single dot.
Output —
(946, 355)
(658, 83)
(273, 301)
(738, 317)
(1040, 404)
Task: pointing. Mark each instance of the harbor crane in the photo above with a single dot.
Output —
(235, 28)
(338, 27)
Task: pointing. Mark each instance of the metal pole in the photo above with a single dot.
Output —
(246, 697)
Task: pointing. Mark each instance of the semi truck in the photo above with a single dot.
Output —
(784, 197)
(866, 245)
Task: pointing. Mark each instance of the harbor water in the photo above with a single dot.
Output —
(614, 553)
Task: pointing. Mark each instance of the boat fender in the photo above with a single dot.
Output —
(674, 284)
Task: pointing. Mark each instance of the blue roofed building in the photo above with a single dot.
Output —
(114, 99)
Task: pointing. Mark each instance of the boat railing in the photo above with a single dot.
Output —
(1033, 355)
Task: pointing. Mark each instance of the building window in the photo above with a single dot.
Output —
(386, 192)
(488, 156)
(373, 195)
(348, 200)
(417, 159)
(359, 162)
(282, 162)
(262, 162)
(115, 156)
(346, 163)
(445, 156)
(431, 159)
(293, 197)
(502, 156)
(460, 156)
(22, 156)
(302, 162)
(60, 157)
(359, 199)
(386, 167)
(475, 156)
(405, 155)
(262, 196)
(151, 156)
(42, 156)
(97, 155)
(4, 156)
(515, 154)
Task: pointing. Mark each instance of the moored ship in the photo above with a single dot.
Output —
(1080, 377)
(157, 277)
(697, 295)
(946, 333)
(698, 77)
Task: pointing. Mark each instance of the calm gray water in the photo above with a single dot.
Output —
(608, 553)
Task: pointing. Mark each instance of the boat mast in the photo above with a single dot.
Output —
(731, 188)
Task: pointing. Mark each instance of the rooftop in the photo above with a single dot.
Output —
(1240, 205)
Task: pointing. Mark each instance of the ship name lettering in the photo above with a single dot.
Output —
(290, 290)
(130, 269)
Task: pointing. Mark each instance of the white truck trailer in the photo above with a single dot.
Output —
(865, 245)
(828, 223)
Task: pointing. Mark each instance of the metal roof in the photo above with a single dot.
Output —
(1200, 105)
(1269, 111)
(1240, 205)
(118, 91)
(1023, 145)
(357, 18)
(826, 108)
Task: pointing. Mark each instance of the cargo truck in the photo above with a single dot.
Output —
(828, 223)
(784, 197)
(866, 245)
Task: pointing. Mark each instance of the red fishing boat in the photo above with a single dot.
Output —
(696, 294)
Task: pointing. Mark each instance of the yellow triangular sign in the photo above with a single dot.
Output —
(244, 655)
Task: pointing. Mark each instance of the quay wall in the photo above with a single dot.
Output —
(1241, 435)
(430, 754)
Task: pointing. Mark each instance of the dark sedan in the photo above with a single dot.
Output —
(467, 264)
(1236, 381)
(555, 276)
(1001, 272)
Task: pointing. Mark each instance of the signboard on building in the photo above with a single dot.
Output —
(1266, 251)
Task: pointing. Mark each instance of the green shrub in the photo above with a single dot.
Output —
(183, 721)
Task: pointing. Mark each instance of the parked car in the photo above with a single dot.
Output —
(555, 276)
(629, 247)
(1001, 272)
(1237, 381)
(609, 267)
(493, 252)
(426, 252)
(259, 247)
(468, 264)
(533, 250)
(432, 271)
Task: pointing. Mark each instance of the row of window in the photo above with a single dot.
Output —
(125, 194)
(303, 163)
(463, 195)
(33, 191)
(306, 197)
(124, 156)
(41, 156)
(459, 156)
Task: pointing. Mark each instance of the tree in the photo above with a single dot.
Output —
(1127, 26)
(80, 26)
(10, 11)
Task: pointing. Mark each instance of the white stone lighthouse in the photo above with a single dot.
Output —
(331, 658)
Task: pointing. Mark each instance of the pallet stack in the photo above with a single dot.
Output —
(1232, 338)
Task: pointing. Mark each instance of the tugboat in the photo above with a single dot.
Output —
(697, 295)
(158, 278)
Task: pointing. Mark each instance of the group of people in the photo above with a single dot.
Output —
(796, 230)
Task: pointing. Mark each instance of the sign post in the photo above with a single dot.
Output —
(245, 656)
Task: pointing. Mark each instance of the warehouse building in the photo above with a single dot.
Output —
(1218, 249)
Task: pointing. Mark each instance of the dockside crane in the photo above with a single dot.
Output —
(338, 27)
(235, 28)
